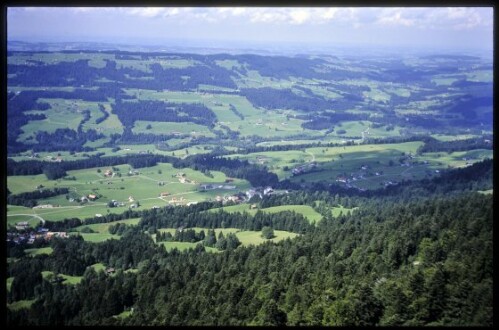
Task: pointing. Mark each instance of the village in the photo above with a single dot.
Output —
(25, 235)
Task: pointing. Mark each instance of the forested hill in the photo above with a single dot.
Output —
(423, 263)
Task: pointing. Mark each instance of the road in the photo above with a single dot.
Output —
(29, 214)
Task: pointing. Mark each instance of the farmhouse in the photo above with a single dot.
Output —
(22, 225)
(110, 271)
(268, 191)
(92, 197)
(44, 206)
(130, 199)
(164, 194)
(341, 178)
(207, 187)
(108, 173)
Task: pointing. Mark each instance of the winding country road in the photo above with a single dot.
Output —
(29, 214)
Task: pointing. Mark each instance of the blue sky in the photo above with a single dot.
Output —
(429, 28)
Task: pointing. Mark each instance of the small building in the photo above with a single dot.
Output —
(110, 271)
(92, 197)
(341, 178)
(108, 173)
(98, 215)
(164, 194)
(268, 191)
(130, 199)
(22, 225)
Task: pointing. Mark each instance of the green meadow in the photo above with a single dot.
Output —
(245, 236)
(144, 188)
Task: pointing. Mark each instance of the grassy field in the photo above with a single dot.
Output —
(103, 227)
(332, 161)
(24, 214)
(143, 188)
(67, 278)
(337, 211)
(38, 251)
(307, 211)
(486, 192)
(20, 304)
(245, 236)
(123, 315)
(9, 283)
(96, 237)
(95, 59)
(182, 246)
(172, 128)
(98, 267)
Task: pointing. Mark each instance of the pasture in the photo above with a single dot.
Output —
(20, 304)
(67, 279)
(103, 227)
(245, 236)
(39, 251)
(144, 188)
(305, 210)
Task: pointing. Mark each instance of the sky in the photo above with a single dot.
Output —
(428, 28)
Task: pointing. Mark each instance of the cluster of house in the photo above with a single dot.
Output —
(245, 196)
(29, 237)
(57, 159)
(84, 199)
(43, 206)
(211, 186)
(303, 168)
(109, 173)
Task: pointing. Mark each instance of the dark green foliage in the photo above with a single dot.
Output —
(353, 270)
(267, 232)
(28, 199)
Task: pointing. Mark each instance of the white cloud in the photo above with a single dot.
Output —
(394, 17)
(300, 16)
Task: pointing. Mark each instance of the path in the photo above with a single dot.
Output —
(29, 214)
(313, 156)
(364, 132)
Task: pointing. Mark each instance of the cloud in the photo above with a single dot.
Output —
(300, 16)
(438, 18)
(433, 18)
(150, 12)
(394, 17)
